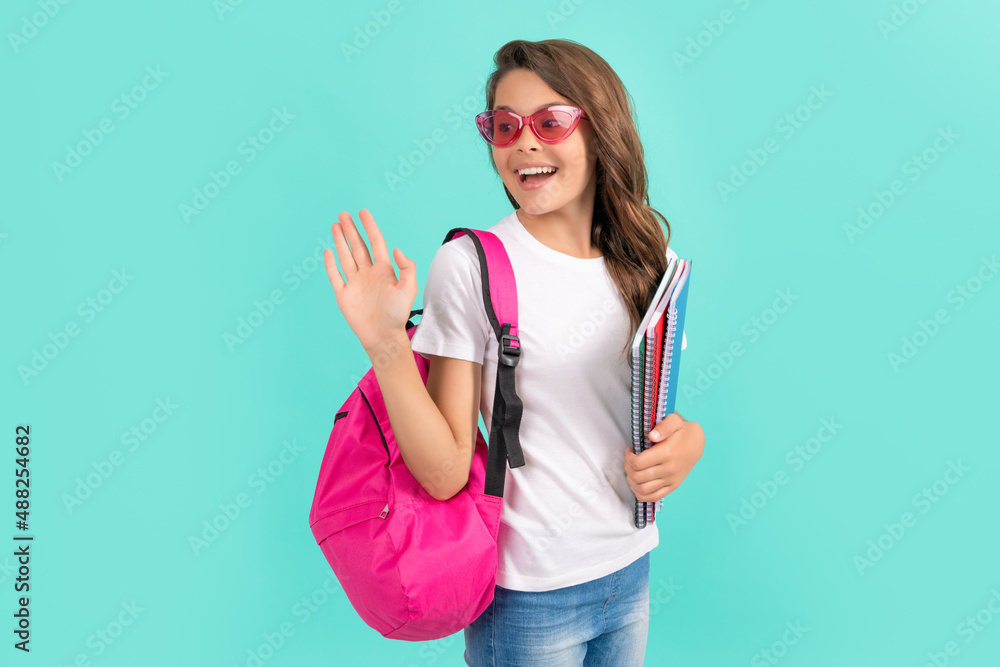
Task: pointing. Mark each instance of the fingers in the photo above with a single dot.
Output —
(379, 250)
(663, 473)
(332, 272)
(670, 424)
(343, 251)
(655, 455)
(645, 471)
(407, 269)
(358, 248)
(654, 489)
(649, 484)
(651, 491)
(355, 256)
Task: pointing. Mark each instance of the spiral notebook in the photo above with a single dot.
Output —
(656, 352)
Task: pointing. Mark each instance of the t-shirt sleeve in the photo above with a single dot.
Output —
(454, 322)
(684, 338)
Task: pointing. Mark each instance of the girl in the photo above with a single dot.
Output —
(588, 252)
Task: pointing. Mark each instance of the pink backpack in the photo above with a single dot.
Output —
(413, 567)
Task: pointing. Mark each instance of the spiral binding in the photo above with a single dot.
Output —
(669, 337)
(637, 437)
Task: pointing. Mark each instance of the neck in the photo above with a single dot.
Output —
(566, 230)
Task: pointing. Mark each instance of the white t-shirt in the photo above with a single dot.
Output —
(568, 511)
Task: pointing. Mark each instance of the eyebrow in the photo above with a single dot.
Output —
(541, 106)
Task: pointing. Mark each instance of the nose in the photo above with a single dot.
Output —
(527, 139)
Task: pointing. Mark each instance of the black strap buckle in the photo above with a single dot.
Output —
(509, 356)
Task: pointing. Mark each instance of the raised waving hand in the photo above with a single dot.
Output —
(374, 302)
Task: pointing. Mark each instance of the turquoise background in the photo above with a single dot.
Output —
(237, 407)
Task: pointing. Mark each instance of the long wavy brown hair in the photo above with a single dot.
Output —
(625, 227)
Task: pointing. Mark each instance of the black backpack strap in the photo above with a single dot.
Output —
(504, 442)
(409, 320)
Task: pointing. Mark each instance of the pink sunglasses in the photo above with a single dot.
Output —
(551, 124)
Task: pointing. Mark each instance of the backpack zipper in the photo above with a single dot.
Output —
(385, 510)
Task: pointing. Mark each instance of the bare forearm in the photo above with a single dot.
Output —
(423, 436)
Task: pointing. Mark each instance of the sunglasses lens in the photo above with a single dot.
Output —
(553, 124)
(498, 127)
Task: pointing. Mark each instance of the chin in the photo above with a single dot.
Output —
(533, 208)
(538, 203)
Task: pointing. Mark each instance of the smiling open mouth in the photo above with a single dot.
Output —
(537, 175)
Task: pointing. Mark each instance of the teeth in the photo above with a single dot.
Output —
(536, 170)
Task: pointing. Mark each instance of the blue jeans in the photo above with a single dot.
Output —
(599, 622)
